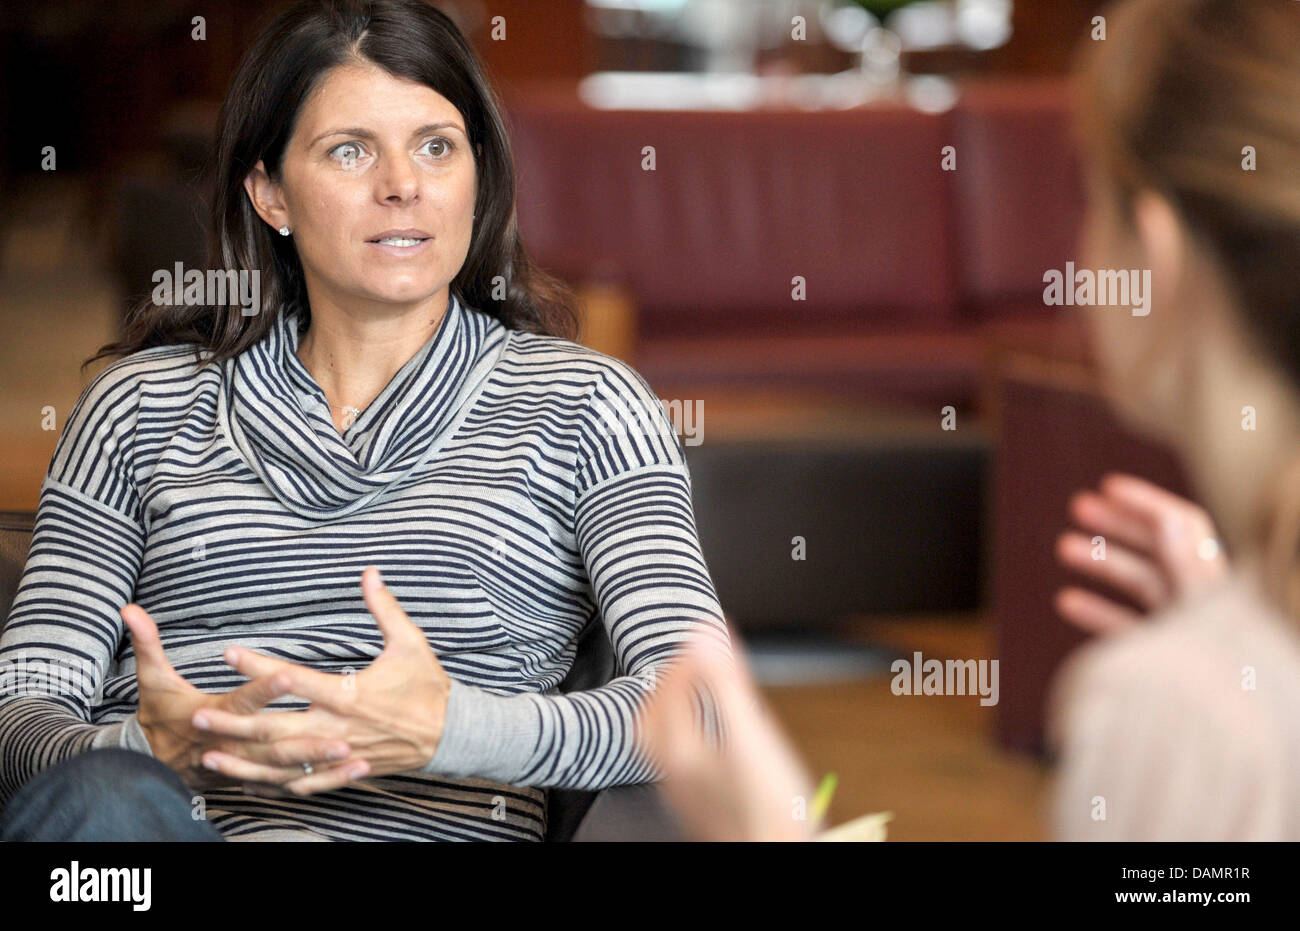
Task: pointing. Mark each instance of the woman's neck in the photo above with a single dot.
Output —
(1243, 445)
(354, 355)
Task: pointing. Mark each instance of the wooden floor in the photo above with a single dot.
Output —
(930, 760)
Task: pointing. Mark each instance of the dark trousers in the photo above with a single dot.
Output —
(105, 795)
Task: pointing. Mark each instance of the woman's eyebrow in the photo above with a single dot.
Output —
(362, 133)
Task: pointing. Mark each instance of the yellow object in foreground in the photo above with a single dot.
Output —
(821, 802)
(867, 828)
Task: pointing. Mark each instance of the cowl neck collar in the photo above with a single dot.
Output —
(278, 416)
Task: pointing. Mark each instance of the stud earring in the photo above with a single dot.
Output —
(284, 231)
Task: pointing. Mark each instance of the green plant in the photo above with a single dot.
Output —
(882, 8)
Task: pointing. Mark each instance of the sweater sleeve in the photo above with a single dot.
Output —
(635, 529)
(63, 630)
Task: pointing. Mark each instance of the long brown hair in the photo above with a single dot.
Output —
(409, 39)
(1168, 102)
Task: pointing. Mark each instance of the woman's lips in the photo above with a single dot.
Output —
(391, 247)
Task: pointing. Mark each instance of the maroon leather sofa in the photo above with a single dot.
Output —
(906, 265)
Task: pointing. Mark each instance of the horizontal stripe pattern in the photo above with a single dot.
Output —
(488, 483)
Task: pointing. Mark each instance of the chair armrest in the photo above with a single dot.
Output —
(629, 813)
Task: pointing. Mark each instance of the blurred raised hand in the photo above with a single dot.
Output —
(752, 788)
(1159, 548)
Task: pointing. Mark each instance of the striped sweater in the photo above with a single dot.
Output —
(501, 482)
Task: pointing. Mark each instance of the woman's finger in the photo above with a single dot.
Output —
(1107, 518)
(269, 726)
(242, 770)
(1132, 573)
(256, 694)
(293, 752)
(1173, 520)
(1186, 544)
(330, 778)
(1143, 497)
(306, 683)
(153, 669)
(1093, 613)
(393, 622)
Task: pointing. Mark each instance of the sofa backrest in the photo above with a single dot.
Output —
(854, 201)
(1019, 193)
(738, 205)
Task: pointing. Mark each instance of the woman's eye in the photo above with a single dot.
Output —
(348, 153)
(439, 147)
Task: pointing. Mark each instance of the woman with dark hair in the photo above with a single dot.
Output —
(407, 398)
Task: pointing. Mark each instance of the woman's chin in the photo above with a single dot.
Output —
(403, 296)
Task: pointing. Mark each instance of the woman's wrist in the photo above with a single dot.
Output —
(134, 737)
(484, 735)
(126, 734)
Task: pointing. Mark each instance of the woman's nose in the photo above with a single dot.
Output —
(398, 181)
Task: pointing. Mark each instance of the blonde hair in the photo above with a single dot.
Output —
(1169, 103)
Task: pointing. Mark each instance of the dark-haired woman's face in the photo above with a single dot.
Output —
(1119, 339)
(1140, 356)
(377, 185)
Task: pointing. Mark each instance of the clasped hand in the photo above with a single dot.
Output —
(386, 719)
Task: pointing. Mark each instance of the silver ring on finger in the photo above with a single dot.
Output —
(307, 768)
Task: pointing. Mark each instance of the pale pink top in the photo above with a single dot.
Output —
(1161, 725)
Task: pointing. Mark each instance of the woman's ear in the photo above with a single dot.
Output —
(265, 196)
(1162, 237)
(1146, 355)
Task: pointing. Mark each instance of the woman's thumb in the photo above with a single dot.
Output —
(151, 660)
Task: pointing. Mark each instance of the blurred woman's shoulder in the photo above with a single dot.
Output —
(1220, 639)
(1196, 707)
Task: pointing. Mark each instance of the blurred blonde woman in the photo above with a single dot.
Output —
(1186, 727)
